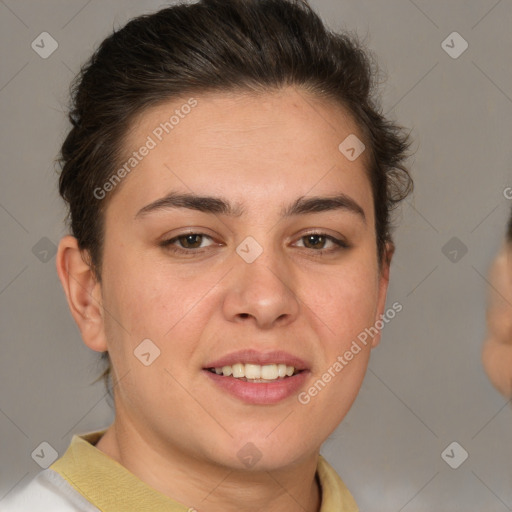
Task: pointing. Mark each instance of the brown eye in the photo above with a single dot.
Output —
(187, 243)
(192, 241)
(317, 242)
(314, 241)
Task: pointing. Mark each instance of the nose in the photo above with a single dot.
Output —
(261, 292)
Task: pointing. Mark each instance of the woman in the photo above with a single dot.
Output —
(230, 181)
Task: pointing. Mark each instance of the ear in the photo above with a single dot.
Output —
(389, 250)
(83, 293)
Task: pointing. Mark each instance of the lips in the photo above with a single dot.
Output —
(261, 385)
(258, 358)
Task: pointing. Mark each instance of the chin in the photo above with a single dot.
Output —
(261, 453)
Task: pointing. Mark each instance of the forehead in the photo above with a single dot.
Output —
(257, 146)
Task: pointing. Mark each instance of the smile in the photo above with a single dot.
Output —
(256, 373)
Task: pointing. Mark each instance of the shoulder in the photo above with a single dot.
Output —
(46, 491)
(335, 495)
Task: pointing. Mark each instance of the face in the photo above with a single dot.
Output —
(267, 275)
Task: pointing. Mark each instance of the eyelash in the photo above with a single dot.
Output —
(168, 244)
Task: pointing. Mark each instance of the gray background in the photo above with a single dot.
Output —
(425, 387)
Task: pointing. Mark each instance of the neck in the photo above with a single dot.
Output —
(202, 484)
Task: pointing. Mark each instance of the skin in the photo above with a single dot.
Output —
(174, 429)
(497, 349)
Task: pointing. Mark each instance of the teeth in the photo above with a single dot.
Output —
(252, 371)
(256, 372)
(238, 371)
(269, 372)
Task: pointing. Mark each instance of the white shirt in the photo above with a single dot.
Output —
(46, 492)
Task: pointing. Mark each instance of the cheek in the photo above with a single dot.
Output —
(151, 300)
(344, 305)
(344, 298)
(141, 292)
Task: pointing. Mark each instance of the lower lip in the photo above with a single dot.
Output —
(260, 393)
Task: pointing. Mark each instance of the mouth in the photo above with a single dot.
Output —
(255, 373)
(258, 378)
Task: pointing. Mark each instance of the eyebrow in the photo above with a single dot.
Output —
(219, 205)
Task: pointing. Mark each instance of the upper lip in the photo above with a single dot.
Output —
(250, 356)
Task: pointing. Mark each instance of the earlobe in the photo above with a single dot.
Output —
(83, 293)
(383, 288)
